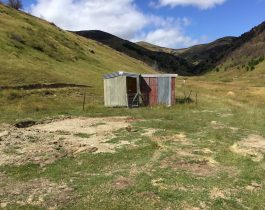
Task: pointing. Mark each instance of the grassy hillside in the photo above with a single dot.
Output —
(154, 48)
(161, 61)
(247, 51)
(232, 56)
(35, 51)
(202, 57)
(205, 56)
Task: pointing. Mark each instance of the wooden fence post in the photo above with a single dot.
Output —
(84, 101)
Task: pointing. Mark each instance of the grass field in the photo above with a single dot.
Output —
(205, 156)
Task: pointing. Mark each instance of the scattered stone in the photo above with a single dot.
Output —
(3, 205)
(253, 186)
(216, 193)
(131, 129)
(4, 133)
(231, 93)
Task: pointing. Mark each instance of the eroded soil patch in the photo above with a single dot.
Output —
(47, 142)
(37, 192)
(252, 146)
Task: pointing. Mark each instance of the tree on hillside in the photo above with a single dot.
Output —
(16, 4)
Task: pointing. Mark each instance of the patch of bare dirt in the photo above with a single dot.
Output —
(197, 167)
(216, 193)
(45, 143)
(122, 183)
(186, 206)
(253, 146)
(37, 192)
(217, 125)
(149, 195)
(254, 186)
(180, 138)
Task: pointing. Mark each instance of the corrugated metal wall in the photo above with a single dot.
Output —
(158, 90)
(115, 92)
(164, 90)
(173, 91)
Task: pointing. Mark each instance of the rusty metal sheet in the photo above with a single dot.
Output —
(153, 93)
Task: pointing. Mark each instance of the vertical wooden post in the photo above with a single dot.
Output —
(84, 101)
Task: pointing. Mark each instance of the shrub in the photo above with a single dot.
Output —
(17, 37)
(16, 4)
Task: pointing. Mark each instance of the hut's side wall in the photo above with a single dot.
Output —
(158, 90)
(115, 92)
(173, 91)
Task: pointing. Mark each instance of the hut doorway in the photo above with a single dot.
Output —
(132, 92)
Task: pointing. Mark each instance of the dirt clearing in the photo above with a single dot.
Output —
(45, 143)
(253, 146)
(37, 192)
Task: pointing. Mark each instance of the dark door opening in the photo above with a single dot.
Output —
(132, 93)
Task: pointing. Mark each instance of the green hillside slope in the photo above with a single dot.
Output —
(202, 57)
(155, 48)
(161, 61)
(35, 51)
(247, 51)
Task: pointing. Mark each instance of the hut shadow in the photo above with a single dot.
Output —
(145, 92)
(184, 100)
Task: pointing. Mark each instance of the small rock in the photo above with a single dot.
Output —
(255, 184)
(130, 129)
(231, 93)
(93, 149)
(250, 188)
(3, 205)
(3, 134)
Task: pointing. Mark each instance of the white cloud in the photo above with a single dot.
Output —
(119, 17)
(168, 33)
(169, 37)
(202, 4)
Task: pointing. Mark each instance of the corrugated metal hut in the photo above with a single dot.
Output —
(121, 89)
(158, 89)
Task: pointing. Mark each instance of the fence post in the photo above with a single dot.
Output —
(84, 101)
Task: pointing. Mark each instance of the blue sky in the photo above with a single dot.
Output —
(171, 23)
